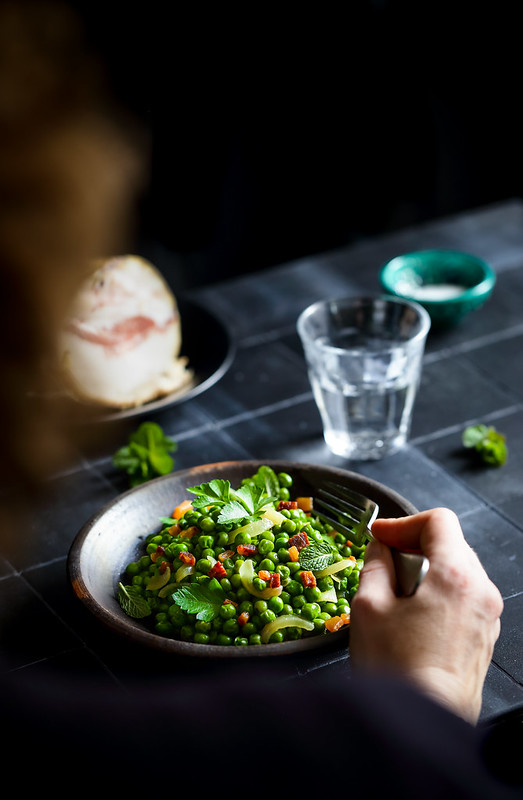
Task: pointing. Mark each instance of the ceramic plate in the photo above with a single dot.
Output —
(112, 538)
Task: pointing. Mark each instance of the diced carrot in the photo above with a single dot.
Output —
(349, 543)
(308, 579)
(293, 553)
(174, 530)
(243, 618)
(264, 574)
(182, 509)
(335, 623)
(305, 503)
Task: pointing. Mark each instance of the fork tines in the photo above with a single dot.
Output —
(349, 511)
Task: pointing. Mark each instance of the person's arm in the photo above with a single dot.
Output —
(441, 638)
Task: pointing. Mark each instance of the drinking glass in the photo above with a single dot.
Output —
(364, 357)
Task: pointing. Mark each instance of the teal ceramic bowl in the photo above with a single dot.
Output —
(449, 284)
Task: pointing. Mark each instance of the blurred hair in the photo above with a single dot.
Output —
(69, 174)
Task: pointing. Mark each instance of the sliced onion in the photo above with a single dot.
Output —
(183, 571)
(169, 589)
(253, 528)
(247, 576)
(329, 596)
(285, 621)
(336, 567)
(275, 516)
(159, 579)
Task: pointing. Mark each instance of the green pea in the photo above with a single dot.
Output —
(277, 636)
(260, 606)
(310, 610)
(243, 538)
(282, 540)
(267, 616)
(284, 479)
(163, 628)
(207, 523)
(133, 568)
(259, 584)
(240, 641)
(267, 564)
(294, 588)
(230, 627)
(203, 565)
(227, 611)
(201, 638)
(275, 604)
(298, 602)
(255, 639)
(289, 526)
(329, 608)
(312, 593)
(284, 494)
(265, 546)
(223, 639)
(287, 609)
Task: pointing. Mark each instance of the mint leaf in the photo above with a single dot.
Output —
(146, 455)
(199, 599)
(317, 556)
(474, 435)
(132, 602)
(487, 443)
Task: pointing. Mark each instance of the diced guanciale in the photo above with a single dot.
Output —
(299, 540)
(246, 549)
(225, 554)
(275, 580)
(264, 574)
(308, 579)
(188, 533)
(187, 558)
(158, 553)
(217, 571)
(243, 618)
(287, 505)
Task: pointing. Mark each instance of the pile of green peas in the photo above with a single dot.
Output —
(242, 616)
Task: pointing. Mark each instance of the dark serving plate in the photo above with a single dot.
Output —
(112, 538)
(210, 350)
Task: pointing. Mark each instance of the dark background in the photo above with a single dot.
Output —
(278, 132)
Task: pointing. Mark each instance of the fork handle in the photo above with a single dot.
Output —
(411, 568)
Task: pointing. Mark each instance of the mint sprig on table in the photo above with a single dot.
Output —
(146, 455)
(487, 442)
(236, 504)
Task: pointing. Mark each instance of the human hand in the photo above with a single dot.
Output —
(442, 637)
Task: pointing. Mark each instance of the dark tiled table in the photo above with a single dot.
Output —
(263, 408)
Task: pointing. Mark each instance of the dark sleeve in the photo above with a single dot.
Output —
(250, 734)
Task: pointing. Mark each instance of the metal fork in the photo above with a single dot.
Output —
(352, 513)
